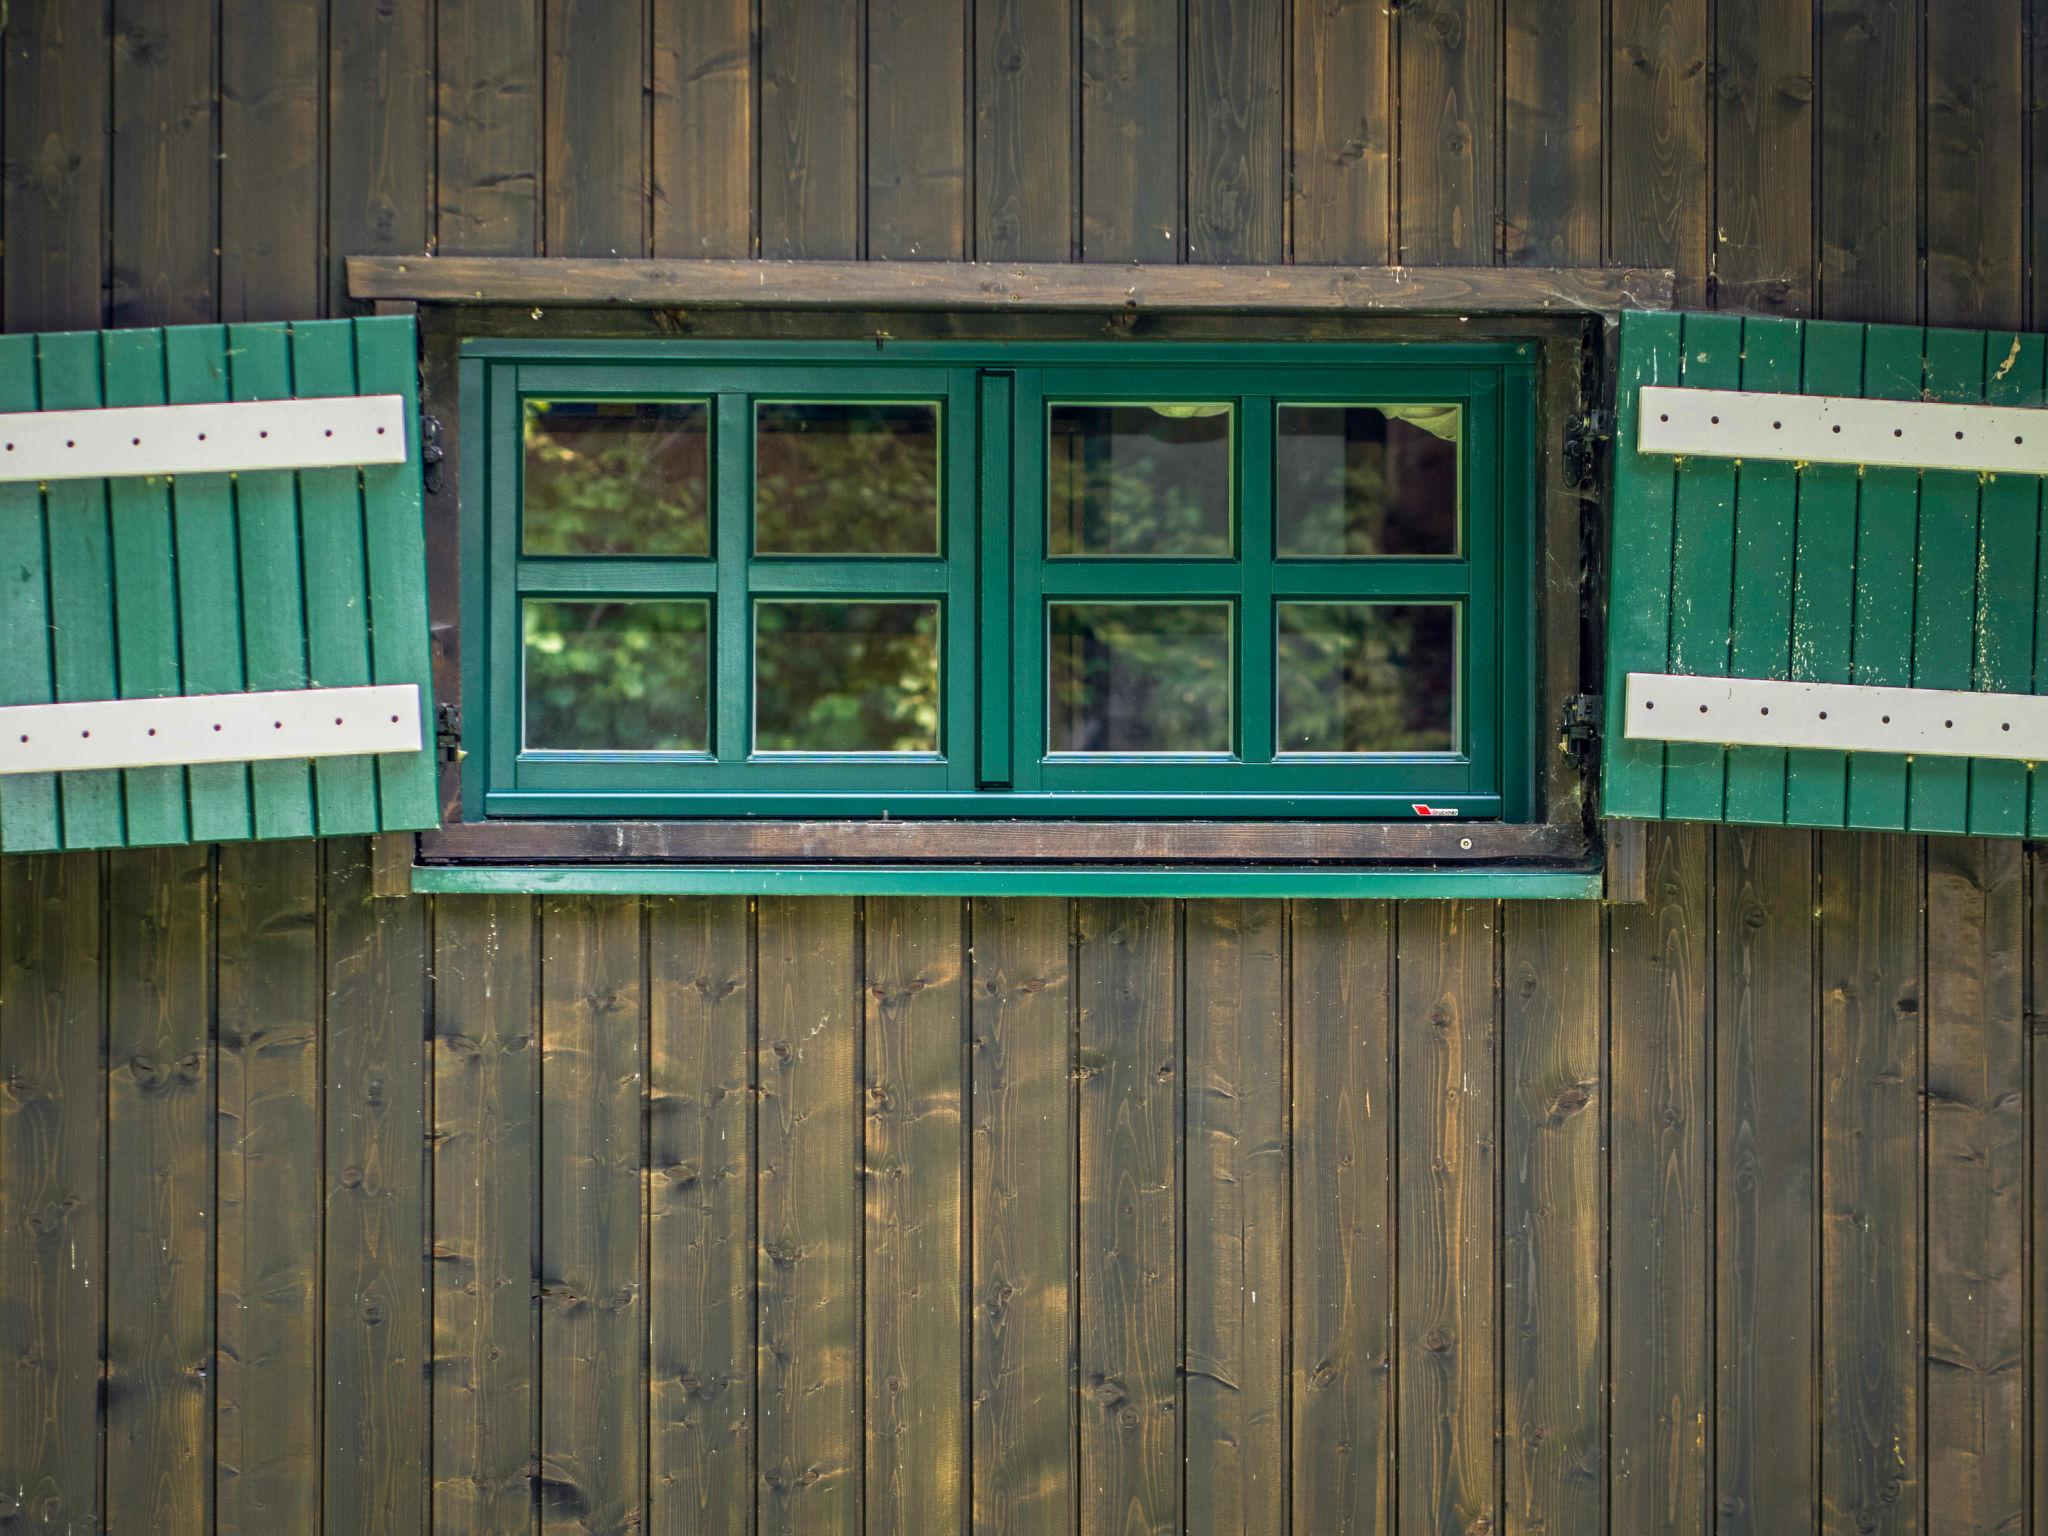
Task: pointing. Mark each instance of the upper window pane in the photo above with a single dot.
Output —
(616, 676)
(616, 477)
(846, 677)
(1367, 480)
(1139, 480)
(835, 479)
(1367, 677)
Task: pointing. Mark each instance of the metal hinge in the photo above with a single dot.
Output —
(431, 452)
(1583, 436)
(448, 733)
(1583, 714)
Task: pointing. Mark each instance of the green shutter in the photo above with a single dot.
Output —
(1823, 573)
(160, 585)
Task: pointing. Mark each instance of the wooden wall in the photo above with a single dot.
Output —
(320, 1211)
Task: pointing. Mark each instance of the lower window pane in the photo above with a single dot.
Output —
(1140, 677)
(846, 677)
(617, 676)
(1368, 677)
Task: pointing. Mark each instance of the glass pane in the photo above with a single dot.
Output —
(613, 676)
(1367, 479)
(1139, 480)
(846, 677)
(846, 479)
(1141, 677)
(617, 477)
(1368, 677)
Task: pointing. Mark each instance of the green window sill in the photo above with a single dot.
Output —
(996, 880)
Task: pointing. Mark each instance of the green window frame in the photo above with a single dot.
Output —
(996, 581)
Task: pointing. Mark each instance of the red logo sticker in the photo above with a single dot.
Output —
(1436, 810)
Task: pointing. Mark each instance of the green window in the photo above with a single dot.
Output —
(981, 579)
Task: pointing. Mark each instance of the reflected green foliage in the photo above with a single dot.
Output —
(1366, 480)
(1140, 677)
(617, 676)
(1139, 480)
(616, 477)
(846, 677)
(846, 479)
(1367, 677)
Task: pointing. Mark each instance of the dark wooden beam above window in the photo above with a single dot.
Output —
(1005, 286)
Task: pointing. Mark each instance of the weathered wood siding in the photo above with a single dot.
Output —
(321, 1211)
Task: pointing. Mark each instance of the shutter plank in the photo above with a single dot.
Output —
(28, 802)
(145, 597)
(1702, 571)
(337, 607)
(209, 591)
(1639, 590)
(81, 590)
(273, 612)
(1887, 530)
(1824, 578)
(1760, 643)
(2009, 544)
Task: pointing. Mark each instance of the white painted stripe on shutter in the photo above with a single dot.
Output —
(209, 728)
(202, 439)
(1833, 429)
(1844, 717)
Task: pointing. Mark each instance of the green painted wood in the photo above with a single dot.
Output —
(1887, 536)
(145, 589)
(28, 802)
(1824, 583)
(337, 596)
(1702, 572)
(2009, 517)
(1945, 586)
(1760, 642)
(209, 582)
(1639, 565)
(81, 590)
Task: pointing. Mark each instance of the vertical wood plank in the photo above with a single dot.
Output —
(1976, 1185)
(1343, 1303)
(1556, 90)
(375, 1409)
(1237, 175)
(1129, 1062)
(1554, 1206)
(268, 1149)
(1236, 1270)
(917, 92)
(1131, 107)
(163, 222)
(1024, 123)
(812, 147)
(1658, 129)
(487, 131)
(1766, 1260)
(1446, 1184)
(1448, 110)
(593, 1322)
(1763, 164)
(1872, 1054)
(808, 1271)
(1342, 125)
(55, 75)
(381, 63)
(1023, 1159)
(596, 128)
(914, 1329)
(271, 166)
(1870, 177)
(700, 1216)
(485, 1150)
(52, 1190)
(703, 168)
(160, 1190)
(1976, 247)
(1659, 1179)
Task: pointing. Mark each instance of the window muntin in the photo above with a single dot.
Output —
(995, 587)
